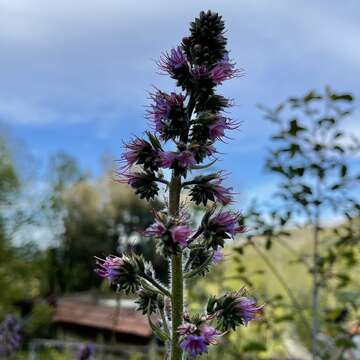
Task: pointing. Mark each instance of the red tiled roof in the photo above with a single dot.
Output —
(126, 321)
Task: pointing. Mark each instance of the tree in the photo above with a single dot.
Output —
(320, 178)
(90, 217)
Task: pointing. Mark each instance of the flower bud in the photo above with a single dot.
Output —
(234, 309)
(147, 301)
(144, 183)
(142, 152)
(176, 65)
(168, 114)
(180, 162)
(224, 225)
(209, 187)
(122, 271)
(172, 236)
(206, 44)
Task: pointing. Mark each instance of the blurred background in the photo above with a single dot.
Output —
(75, 82)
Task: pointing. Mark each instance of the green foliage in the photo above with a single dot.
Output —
(319, 180)
(98, 217)
(9, 181)
(37, 324)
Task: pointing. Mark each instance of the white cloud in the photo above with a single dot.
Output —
(67, 61)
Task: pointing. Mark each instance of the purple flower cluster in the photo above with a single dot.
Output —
(248, 309)
(219, 125)
(209, 187)
(109, 267)
(228, 222)
(194, 345)
(183, 160)
(224, 70)
(140, 151)
(163, 106)
(134, 149)
(144, 183)
(157, 229)
(196, 339)
(179, 233)
(222, 194)
(220, 72)
(173, 61)
(10, 338)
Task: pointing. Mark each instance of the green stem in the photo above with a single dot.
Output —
(176, 275)
(164, 320)
(159, 286)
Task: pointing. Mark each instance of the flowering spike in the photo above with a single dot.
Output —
(186, 127)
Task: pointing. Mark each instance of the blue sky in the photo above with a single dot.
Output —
(75, 75)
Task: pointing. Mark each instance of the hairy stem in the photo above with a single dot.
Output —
(164, 320)
(157, 284)
(176, 275)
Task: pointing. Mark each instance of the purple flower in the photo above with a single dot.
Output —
(227, 221)
(134, 148)
(180, 234)
(223, 194)
(217, 257)
(194, 345)
(162, 107)
(86, 352)
(218, 127)
(157, 229)
(183, 160)
(140, 151)
(223, 70)
(9, 336)
(170, 62)
(134, 179)
(109, 267)
(186, 328)
(167, 158)
(209, 188)
(210, 334)
(144, 183)
(248, 309)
